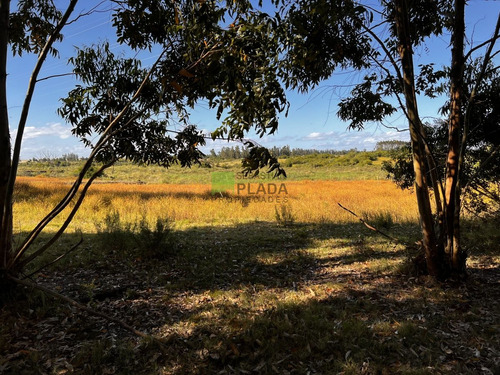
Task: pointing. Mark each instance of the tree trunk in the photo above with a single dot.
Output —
(5, 146)
(432, 250)
(455, 127)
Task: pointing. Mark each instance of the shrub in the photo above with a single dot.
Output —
(150, 241)
(380, 220)
(114, 233)
(284, 215)
(157, 242)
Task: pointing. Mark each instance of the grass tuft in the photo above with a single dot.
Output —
(284, 215)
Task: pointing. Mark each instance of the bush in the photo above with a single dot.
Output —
(114, 234)
(157, 242)
(380, 220)
(284, 215)
(150, 241)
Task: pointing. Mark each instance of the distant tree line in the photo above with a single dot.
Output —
(48, 157)
(241, 152)
(238, 152)
(230, 153)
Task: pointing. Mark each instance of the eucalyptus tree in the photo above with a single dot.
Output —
(324, 37)
(225, 54)
(481, 166)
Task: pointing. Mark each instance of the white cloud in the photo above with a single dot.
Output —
(54, 139)
(316, 136)
(51, 130)
(348, 140)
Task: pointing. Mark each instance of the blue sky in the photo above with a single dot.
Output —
(311, 123)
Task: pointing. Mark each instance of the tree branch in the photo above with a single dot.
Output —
(72, 192)
(371, 227)
(483, 164)
(475, 48)
(389, 74)
(26, 107)
(395, 128)
(437, 184)
(55, 76)
(68, 220)
(88, 13)
(73, 248)
(470, 102)
(387, 53)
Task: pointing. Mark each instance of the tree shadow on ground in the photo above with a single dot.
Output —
(253, 298)
(372, 333)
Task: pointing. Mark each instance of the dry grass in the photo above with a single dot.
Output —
(193, 204)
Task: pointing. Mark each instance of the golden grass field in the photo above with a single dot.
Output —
(194, 204)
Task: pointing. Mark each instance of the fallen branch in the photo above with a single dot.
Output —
(89, 310)
(55, 260)
(371, 227)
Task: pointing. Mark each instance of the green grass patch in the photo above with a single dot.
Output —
(351, 166)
